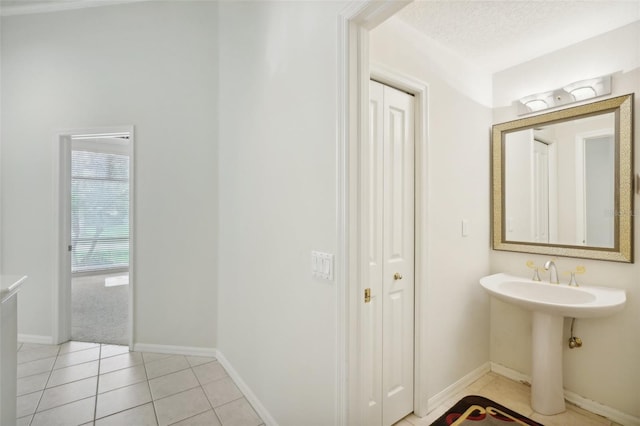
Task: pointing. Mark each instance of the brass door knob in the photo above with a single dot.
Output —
(397, 276)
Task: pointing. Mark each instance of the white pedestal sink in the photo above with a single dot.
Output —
(550, 303)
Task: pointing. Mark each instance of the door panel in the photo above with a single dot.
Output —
(371, 324)
(387, 320)
(398, 256)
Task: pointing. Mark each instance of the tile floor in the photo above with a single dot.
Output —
(515, 396)
(79, 383)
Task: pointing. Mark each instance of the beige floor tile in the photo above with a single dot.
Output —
(121, 378)
(75, 413)
(181, 406)
(152, 356)
(107, 351)
(35, 367)
(208, 418)
(402, 423)
(412, 419)
(73, 373)
(209, 372)
(77, 357)
(122, 399)
(173, 383)
(479, 384)
(31, 384)
(60, 395)
(570, 418)
(27, 404)
(238, 413)
(516, 396)
(144, 415)
(40, 352)
(165, 366)
(24, 421)
(199, 360)
(222, 391)
(119, 362)
(29, 346)
(73, 346)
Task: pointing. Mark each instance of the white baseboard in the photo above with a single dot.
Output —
(174, 350)
(510, 373)
(572, 397)
(33, 338)
(451, 390)
(264, 414)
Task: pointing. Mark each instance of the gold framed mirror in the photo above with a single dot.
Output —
(562, 182)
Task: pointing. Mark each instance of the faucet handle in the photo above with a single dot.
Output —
(579, 270)
(573, 281)
(536, 275)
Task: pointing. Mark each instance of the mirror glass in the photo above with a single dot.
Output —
(565, 182)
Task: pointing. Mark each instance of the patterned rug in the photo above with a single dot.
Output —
(475, 410)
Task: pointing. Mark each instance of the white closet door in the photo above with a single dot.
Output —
(398, 257)
(371, 330)
(387, 332)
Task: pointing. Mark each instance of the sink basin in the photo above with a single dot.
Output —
(578, 302)
(549, 304)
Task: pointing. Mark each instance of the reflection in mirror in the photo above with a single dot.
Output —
(562, 182)
(559, 183)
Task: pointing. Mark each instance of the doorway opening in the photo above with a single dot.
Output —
(95, 193)
(595, 188)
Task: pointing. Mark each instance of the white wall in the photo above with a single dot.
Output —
(606, 368)
(277, 188)
(152, 65)
(455, 332)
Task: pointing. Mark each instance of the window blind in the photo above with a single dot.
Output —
(99, 211)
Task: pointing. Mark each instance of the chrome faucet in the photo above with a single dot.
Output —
(553, 272)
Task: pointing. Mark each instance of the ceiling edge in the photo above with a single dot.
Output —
(27, 9)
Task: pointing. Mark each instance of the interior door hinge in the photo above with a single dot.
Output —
(367, 295)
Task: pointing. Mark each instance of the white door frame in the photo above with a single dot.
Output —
(353, 80)
(61, 321)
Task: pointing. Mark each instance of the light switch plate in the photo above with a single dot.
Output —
(465, 227)
(322, 265)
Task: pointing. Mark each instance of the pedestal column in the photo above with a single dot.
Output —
(547, 393)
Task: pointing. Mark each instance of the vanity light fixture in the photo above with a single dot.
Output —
(574, 92)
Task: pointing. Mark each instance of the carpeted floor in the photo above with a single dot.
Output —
(100, 314)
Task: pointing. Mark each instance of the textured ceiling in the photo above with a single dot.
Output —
(495, 35)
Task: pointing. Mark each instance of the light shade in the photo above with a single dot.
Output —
(574, 92)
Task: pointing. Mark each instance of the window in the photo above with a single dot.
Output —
(99, 206)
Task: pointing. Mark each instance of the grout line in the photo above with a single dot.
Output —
(122, 411)
(153, 403)
(95, 405)
(45, 386)
(204, 393)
